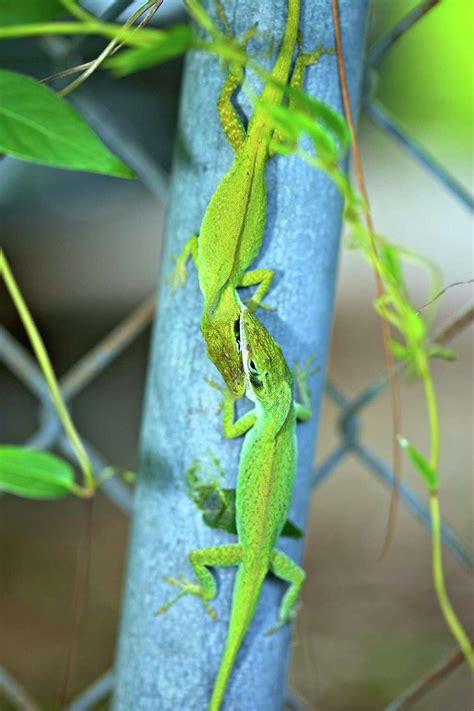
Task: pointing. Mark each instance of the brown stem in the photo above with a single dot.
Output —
(457, 324)
(113, 49)
(81, 584)
(424, 685)
(386, 335)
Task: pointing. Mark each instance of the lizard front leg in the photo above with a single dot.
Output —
(236, 428)
(303, 60)
(233, 428)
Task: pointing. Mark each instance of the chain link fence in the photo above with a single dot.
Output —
(50, 434)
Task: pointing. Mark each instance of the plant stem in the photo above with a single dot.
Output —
(144, 37)
(438, 578)
(432, 408)
(437, 560)
(379, 287)
(110, 49)
(48, 372)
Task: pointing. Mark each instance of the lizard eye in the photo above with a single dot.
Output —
(253, 367)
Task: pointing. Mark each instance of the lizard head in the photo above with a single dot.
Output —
(268, 379)
(223, 347)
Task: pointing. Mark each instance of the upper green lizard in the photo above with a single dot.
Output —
(232, 228)
(264, 488)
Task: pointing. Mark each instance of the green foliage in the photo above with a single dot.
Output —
(178, 39)
(326, 127)
(172, 43)
(25, 472)
(109, 472)
(35, 474)
(18, 11)
(49, 375)
(291, 530)
(395, 306)
(38, 126)
(438, 351)
(196, 11)
(91, 26)
(329, 140)
(429, 474)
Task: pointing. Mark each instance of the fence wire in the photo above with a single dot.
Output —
(50, 433)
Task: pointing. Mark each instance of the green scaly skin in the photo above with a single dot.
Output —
(264, 488)
(233, 226)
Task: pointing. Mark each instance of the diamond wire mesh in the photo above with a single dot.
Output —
(50, 433)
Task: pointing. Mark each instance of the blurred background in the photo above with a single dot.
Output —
(85, 250)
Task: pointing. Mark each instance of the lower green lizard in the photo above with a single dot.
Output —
(264, 489)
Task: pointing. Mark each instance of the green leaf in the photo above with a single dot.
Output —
(415, 327)
(171, 44)
(323, 143)
(199, 14)
(284, 121)
(385, 306)
(34, 474)
(14, 12)
(331, 119)
(281, 148)
(438, 351)
(37, 125)
(390, 260)
(421, 464)
(218, 507)
(291, 124)
(128, 476)
(108, 472)
(291, 530)
(398, 349)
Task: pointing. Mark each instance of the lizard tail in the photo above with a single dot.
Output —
(244, 602)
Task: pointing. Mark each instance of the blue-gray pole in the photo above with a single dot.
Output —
(169, 663)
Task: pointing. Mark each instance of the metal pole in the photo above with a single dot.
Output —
(169, 662)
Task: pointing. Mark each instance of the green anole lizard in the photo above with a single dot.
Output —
(233, 225)
(264, 488)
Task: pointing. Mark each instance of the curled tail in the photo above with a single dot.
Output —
(244, 601)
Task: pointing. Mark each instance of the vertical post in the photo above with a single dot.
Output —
(170, 662)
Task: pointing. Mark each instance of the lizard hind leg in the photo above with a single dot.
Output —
(306, 59)
(231, 123)
(303, 60)
(244, 37)
(205, 585)
(232, 126)
(283, 567)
